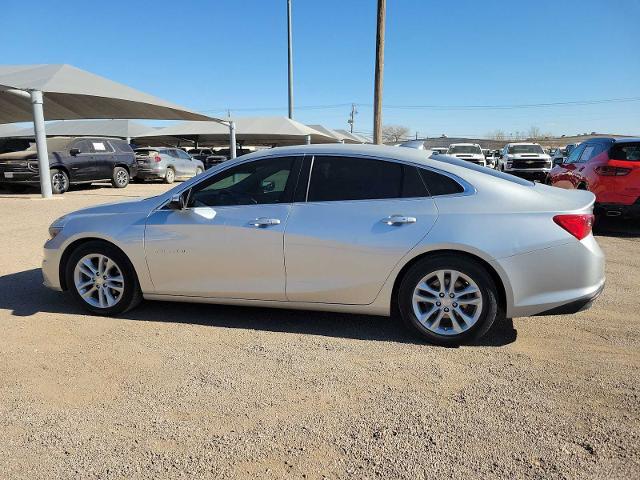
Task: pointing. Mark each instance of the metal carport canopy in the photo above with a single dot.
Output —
(60, 92)
(337, 135)
(251, 130)
(121, 128)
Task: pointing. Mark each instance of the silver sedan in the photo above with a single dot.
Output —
(446, 245)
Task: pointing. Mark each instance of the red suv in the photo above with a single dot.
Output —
(608, 167)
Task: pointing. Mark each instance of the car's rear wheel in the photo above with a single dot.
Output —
(120, 177)
(448, 300)
(170, 176)
(59, 181)
(102, 279)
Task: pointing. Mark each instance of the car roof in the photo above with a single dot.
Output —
(612, 140)
(464, 145)
(522, 143)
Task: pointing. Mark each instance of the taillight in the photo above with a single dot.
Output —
(609, 171)
(577, 225)
(157, 158)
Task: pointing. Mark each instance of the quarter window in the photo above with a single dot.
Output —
(439, 184)
(261, 182)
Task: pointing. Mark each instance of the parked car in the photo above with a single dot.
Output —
(72, 160)
(557, 156)
(361, 228)
(200, 153)
(608, 167)
(471, 152)
(168, 164)
(213, 160)
(526, 160)
(439, 150)
(489, 157)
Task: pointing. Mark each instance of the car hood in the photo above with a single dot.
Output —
(24, 155)
(135, 206)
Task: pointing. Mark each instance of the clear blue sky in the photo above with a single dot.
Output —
(213, 55)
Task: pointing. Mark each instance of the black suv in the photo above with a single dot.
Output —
(72, 160)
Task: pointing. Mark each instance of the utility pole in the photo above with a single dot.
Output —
(379, 72)
(290, 59)
(352, 116)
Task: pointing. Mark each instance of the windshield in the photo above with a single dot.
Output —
(525, 149)
(464, 149)
(55, 144)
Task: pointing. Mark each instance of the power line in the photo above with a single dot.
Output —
(437, 107)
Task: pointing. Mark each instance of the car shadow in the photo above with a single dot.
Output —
(24, 295)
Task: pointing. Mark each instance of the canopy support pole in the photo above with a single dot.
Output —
(308, 139)
(232, 139)
(41, 143)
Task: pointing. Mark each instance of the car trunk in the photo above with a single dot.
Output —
(623, 168)
(146, 158)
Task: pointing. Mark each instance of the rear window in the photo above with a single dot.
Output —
(525, 149)
(464, 149)
(145, 152)
(484, 170)
(629, 151)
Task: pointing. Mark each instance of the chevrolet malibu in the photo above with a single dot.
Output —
(445, 245)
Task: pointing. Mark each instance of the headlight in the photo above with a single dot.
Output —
(56, 227)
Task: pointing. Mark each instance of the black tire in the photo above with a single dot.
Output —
(59, 181)
(490, 309)
(131, 295)
(170, 175)
(120, 177)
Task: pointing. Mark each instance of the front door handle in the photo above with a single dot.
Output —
(399, 220)
(264, 222)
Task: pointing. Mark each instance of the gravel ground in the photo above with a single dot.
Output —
(176, 390)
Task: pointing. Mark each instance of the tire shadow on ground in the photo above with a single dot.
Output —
(24, 295)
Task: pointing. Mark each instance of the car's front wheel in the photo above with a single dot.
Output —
(102, 279)
(59, 181)
(120, 177)
(448, 299)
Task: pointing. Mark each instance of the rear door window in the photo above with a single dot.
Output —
(574, 156)
(353, 178)
(100, 146)
(439, 184)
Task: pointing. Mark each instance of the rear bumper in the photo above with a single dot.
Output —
(575, 306)
(550, 278)
(145, 173)
(618, 210)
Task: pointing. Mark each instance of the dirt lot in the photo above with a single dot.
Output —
(176, 390)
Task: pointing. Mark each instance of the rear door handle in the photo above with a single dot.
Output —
(399, 220)
(264, 222)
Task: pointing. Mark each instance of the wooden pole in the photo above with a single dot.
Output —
(379, 73)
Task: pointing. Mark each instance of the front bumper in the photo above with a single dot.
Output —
(20, 177)
(529, 174)
(51, 268)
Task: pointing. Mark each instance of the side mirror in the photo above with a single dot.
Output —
(74, 152)
(178, 201)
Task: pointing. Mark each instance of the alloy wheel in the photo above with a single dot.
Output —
(121, 177)
(98, 280)
(447, 302)
(59, 182)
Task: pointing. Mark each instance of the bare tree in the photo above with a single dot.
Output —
(534, 133)
(497, 135)
(394, 133)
